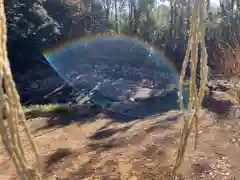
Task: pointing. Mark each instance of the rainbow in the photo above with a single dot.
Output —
(90, 74)
(83, 40)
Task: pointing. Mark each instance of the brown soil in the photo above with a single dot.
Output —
(102, 148)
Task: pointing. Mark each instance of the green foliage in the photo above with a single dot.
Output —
(36, 25)
(48, 108)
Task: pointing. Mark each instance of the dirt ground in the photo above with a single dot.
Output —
(103, 148)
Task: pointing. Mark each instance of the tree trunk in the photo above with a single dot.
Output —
(171, 20)
(116, 16)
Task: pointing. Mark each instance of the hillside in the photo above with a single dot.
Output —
(83, 107)
(85, 143)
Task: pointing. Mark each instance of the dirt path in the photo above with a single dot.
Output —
(141, 149)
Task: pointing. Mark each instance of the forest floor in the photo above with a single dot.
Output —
(100, 147)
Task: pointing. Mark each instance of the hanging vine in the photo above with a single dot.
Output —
(196, 38)
(12, 115)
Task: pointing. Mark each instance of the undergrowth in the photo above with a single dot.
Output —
(48, 109)
(54, 108)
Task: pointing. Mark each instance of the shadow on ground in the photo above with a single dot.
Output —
(109, 138)
(108, 133)
(137, 166)
(146, 163)
(220, 107)
(57, 157)
(86, 113)
(62, 116)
